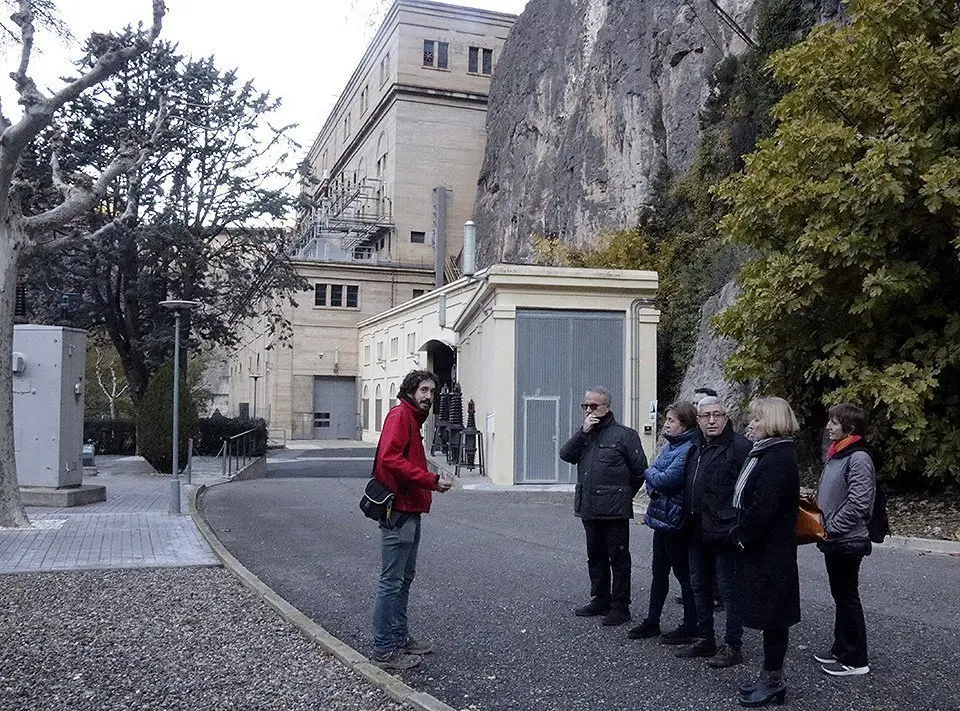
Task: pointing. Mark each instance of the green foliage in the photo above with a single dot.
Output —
(852, 207)
(111, 436)
(155, 423)
(202, 219)
(214, 430)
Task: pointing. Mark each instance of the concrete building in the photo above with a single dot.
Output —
(527, 342)
(392, 178)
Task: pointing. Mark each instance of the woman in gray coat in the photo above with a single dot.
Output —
(847, 489)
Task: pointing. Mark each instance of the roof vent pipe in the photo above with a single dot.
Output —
(469, 248)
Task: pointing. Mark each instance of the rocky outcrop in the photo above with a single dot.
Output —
(590, 100)
(710, 356)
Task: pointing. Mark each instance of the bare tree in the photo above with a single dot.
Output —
(21, 232)
(112, 384)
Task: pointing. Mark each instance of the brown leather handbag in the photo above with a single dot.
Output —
(809, 521)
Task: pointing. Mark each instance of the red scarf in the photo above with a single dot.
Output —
(840, 445)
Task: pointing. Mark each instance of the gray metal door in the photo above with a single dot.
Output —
(559, 355)
(334, 407)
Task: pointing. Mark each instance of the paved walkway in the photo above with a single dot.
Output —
(131, 529)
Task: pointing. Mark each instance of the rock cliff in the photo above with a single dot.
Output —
(590, 100)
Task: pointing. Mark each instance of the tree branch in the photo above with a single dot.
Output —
(39, 109)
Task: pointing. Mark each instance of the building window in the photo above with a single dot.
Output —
(378, 414)
(394, 348)
(379, 353)
(419, 292)
(336, 295)
(418, 237)
(480, 61)
(366, 354)
(364, 97)
(321, 420)
(436, 54)
(346, 127)
(365, 407)
(384, 68)
(411, 343)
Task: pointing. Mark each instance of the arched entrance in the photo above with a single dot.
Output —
(441, 361)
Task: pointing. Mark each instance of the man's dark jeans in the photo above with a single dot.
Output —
(398, 555)
(707, 560)
(670, 552)
(608, 551)
(849, 627)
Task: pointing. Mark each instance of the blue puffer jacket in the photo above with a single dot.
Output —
(665, 483)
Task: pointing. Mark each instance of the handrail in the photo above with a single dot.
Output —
(237, 451)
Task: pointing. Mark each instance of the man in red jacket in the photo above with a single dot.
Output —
(401, 466)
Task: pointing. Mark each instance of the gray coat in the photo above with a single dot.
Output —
(610, 466)
(848, 486)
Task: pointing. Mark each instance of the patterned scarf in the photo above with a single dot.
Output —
(841, 444)
(751, 464)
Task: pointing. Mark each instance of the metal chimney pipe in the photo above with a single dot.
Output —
(442, 310)
(469, 248)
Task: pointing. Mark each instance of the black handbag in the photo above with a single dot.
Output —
(377, 501)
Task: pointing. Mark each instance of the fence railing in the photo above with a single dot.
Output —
(237, 452)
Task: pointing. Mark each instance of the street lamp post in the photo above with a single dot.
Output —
(177, 306)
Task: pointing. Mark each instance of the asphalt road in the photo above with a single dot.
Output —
(498, 576)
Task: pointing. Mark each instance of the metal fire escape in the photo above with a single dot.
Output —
(348, 215)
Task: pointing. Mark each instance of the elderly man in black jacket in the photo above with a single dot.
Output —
(710, 476)
(610, 465)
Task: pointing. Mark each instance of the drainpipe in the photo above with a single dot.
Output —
(635, 308)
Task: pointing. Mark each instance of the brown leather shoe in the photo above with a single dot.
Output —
(701, 647)
(726, 656)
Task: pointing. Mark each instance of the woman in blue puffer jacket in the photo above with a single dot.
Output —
(664, 481)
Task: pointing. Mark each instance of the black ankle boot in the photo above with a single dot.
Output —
(768, 687)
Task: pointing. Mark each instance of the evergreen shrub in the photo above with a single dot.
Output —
(155, 423)
(117, 436)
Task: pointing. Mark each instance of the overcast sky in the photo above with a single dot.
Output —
(303, 52)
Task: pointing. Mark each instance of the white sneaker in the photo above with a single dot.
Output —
(836, 668)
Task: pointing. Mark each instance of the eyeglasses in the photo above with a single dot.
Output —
(591, 405)
(711, 415)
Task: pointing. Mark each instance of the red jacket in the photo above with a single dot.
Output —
(406, 476)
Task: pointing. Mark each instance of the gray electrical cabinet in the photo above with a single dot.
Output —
(48, 368)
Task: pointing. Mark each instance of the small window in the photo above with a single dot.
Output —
(321, 420)
(380, 351)
(384, 68)
(394, 348)
(436, 54)
(319, 294)
(418, 237)
(336, 294)
(411, 343)
(366, 354)
(364, 97)
(353, 296)
(419, 292)
(346, 126)
(480, 60)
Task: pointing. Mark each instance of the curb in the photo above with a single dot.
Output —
(922, 545)
(389, 684)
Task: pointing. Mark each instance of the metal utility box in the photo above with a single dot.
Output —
(48, 384)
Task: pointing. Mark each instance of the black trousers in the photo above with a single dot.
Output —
(608, 560)
(849, 627)
(670, 553)
(775, 648)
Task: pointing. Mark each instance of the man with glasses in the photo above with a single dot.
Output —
(710, 475)
(610, 465)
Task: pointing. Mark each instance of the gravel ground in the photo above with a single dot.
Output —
(170, 638)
